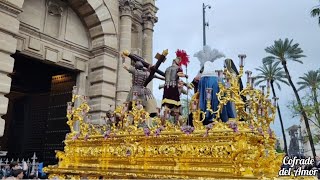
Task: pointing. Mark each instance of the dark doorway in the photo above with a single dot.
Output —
(36, 116)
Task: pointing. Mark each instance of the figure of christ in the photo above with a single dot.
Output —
(210, 80)
(139, 76)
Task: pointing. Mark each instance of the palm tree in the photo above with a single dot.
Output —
(315, 12)
(274, 74)
(312, 80)
(282, 51)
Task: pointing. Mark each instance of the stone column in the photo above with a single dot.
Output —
(9, 27)
(124, 78)
(148, 23)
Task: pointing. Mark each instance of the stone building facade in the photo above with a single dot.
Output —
(84, 36)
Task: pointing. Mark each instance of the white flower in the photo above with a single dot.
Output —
(208, 54)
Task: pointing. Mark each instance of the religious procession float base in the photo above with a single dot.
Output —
(130, 144)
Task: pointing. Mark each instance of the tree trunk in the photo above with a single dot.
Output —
(316, 104)
(304, 115)
(281, 122)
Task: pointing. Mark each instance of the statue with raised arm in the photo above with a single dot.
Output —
(139, 76)
(171, 95)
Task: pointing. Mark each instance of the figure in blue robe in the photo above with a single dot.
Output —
(208, 80)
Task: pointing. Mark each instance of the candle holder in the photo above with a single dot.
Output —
(88, 118)
(241, 59)
(268, 83)
(85, 98)
(125, 107)
(275, 101)
(208, 93)
(252, 81)
(74, 90)
(194, 106)
(248, 73)
(249, 80)
(262, 88)
(69, 107)
(139, 104)
(208, 97)
(134, 95)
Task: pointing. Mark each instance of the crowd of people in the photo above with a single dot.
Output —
(15, 171)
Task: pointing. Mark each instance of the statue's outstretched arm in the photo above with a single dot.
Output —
(181, 74)
(159, 77)
(161, 86)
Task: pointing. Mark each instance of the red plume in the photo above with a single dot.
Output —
(183, 56)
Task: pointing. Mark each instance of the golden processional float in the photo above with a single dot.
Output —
(242, 148)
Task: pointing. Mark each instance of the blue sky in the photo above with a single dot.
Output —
(239, 27)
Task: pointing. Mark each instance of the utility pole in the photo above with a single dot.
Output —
(204, 21)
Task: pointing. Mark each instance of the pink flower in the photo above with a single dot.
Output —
(106, 135)
(234, 126)
(75, 137)
(86, 137)
(260, 130)
(147, 131)
(187, 129)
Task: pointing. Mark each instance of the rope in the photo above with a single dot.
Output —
(187, 97)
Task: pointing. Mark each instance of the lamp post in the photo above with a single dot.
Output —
(204, 21)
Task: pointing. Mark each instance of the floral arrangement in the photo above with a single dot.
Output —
(208, 128)
(187, 129)
(233, 125)
(76, 136)
(158, 131)
(106, 135)
(260, 130)
(146, 131)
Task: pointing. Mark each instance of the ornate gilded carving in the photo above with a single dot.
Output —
(132, 145)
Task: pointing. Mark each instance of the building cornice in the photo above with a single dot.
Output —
(31, 31)
(105, 50)
(10, 9)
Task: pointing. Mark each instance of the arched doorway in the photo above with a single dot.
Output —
(53, 50)
(36, 116)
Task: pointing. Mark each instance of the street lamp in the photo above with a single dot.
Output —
(204, 21)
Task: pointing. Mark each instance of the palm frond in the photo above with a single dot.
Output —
(284, 50)
(271, 72)
(268, 60)
(278, 85)
(310, 79)
(315, 11)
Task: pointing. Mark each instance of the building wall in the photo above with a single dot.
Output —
(306, 145)
(83, 35)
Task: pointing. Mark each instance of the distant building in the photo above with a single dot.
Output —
(295, 144)
(279, 144)
(306, 144)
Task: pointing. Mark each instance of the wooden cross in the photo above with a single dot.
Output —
(153, 69)
(161, 58)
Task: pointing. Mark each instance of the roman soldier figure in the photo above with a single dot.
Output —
(171, 94)
(139, 77)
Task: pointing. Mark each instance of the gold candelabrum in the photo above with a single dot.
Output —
(130, 144)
